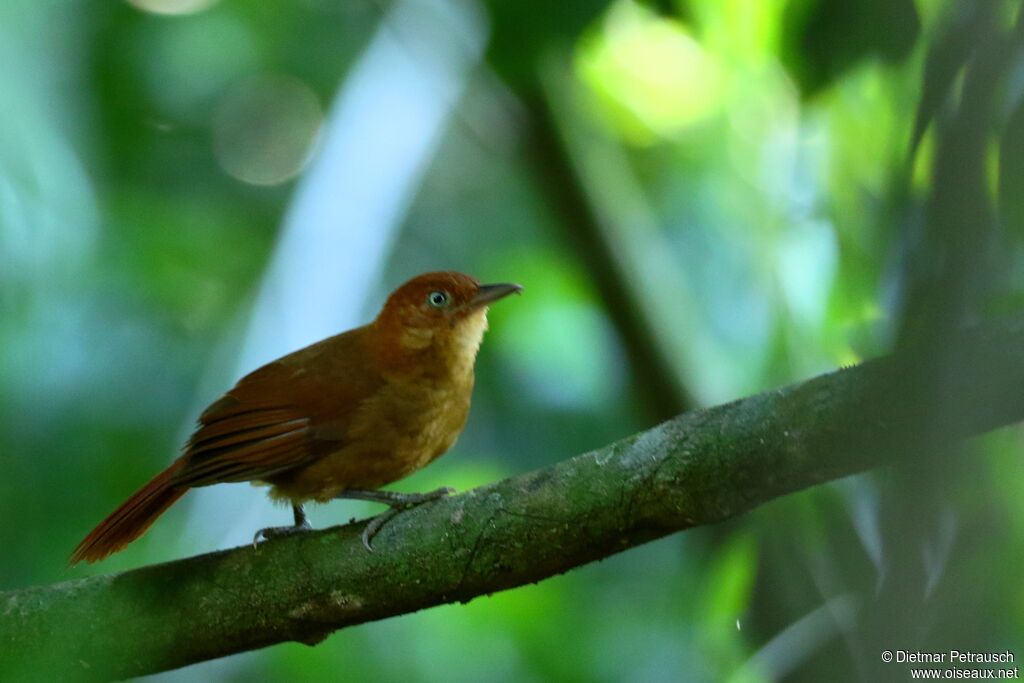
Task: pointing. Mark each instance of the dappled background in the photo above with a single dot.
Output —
(703, 199)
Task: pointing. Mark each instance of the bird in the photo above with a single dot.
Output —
(340, 418)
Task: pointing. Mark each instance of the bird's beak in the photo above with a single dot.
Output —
(488, 294)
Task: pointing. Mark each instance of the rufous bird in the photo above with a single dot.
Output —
(338, 419)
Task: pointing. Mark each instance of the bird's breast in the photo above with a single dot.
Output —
(398, 430)
(418, 422)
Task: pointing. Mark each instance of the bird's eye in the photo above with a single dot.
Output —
(437, 299)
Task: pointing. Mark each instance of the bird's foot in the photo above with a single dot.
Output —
(398, 502)
(376, 524)
(301, 525)
(278, 531)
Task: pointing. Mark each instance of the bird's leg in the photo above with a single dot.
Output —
(396, 501)
(301, 524)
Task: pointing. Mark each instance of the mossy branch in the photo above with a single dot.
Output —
(698, 468)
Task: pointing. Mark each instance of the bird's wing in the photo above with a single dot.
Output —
(283, 416)
(241, 440)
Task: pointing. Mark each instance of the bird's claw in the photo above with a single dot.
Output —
(269, 532)
(375, 525)
(408, 502)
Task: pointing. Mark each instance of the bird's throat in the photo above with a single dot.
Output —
(438, 351)
(464, 340)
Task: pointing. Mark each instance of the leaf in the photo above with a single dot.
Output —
(731, 583)
(666, 8)
(522, 32)
(1011, 172)
(825, 38)
(947, 54)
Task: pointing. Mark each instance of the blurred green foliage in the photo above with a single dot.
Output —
(762, 170)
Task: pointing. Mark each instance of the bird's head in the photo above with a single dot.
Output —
(434, 323)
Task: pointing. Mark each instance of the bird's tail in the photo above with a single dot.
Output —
(131, 519)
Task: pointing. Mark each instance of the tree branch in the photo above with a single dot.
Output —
(698, 468)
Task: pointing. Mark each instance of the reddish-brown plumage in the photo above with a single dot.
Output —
(352, 412)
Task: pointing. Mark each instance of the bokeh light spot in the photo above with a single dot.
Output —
(265, 129)
(188, 65)
(172, 6)
(653, 79)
